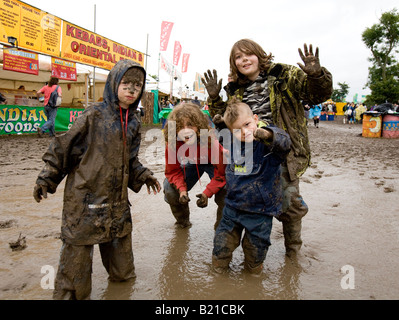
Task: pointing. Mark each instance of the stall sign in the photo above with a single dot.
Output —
(86, 47)
(63, 70)
(21, 61)
(21, 120)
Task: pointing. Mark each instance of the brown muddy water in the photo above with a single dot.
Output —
(350, 235)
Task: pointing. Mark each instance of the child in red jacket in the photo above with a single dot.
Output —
(190, 151)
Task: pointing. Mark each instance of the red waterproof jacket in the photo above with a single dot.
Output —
(197, 155)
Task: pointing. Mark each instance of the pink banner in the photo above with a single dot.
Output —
(166, 29)
(176, 53)
(184, 66)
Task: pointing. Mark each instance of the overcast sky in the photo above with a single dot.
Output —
(207, 30)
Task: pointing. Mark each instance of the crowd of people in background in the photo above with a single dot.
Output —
(171, 103)
(353, 112)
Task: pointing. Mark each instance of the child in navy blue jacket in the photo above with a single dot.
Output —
(254, 191)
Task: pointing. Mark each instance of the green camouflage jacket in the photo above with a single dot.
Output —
(289, 86)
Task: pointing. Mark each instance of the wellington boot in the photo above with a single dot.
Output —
(292, 237)
(220, 266)
(219, 199)
(182, 215)
(254, 270)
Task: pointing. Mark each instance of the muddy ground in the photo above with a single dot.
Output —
(350, 235)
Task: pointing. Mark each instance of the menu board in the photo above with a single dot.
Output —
(34, 29)
(10, 12)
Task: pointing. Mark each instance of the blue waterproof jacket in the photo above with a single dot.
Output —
(253, 176)
(315, 111)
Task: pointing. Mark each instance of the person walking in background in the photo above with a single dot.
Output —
(306, 109)
(275, 91)
(350, 113)
(359, 113)
(49, 110)
(315, 113)
(196, 101)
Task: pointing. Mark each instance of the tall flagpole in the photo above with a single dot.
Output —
(159, 62)
(94, 68)
(171, 83)
(146, 54)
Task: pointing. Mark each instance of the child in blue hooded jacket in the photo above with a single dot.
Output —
(253, 186)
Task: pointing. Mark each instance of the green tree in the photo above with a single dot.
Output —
(338, 95)
(383, 40)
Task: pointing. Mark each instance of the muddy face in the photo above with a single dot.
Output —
(128, 93)
(130, 87)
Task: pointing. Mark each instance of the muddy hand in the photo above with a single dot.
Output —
(263, 134)
(152, 183)
(312, 63)
(211, 84)
(218, 119)
(184, 199)
(202, 201)
(39, 191)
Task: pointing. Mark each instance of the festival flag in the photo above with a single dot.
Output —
(165, 65)
(166, 29)
(176, 53)
(184, 66)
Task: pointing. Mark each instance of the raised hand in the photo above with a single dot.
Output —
(263, 134)
(211, 84)
(312, 63)
(218, 119)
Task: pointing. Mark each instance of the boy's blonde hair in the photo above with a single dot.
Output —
(248, 47)
(234, 109)
(186, 111)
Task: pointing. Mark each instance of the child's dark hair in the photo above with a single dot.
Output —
(248, 47)
(134, 76)
(182, 112)
(235, 108)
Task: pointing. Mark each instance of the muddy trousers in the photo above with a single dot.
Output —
(73, 280)
(294, 209)
(181, 212)
(255, 242)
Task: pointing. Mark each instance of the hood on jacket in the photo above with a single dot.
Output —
(114, 78)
